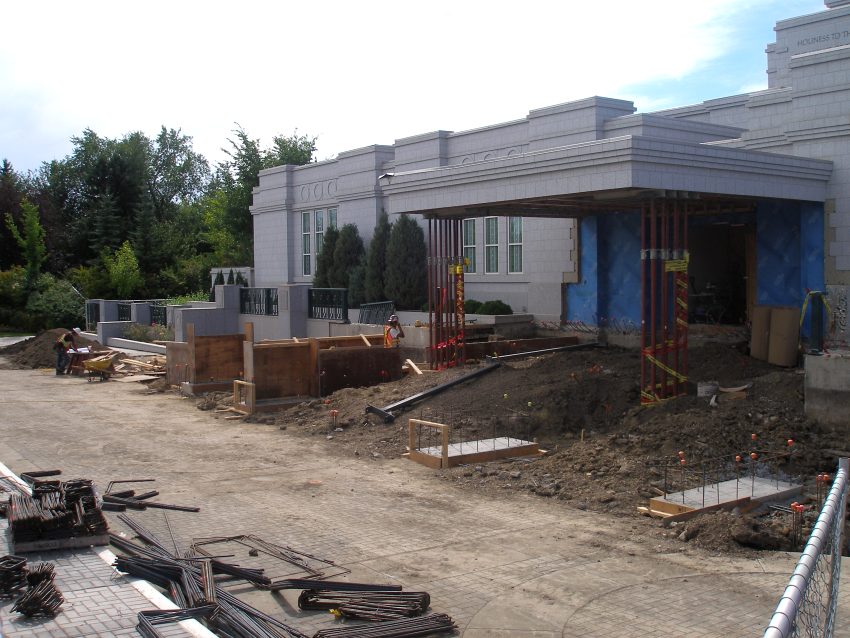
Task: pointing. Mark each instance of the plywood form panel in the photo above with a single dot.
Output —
(218, 357)
(357, 367)
(282, 370)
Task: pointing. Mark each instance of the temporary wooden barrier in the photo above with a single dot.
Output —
(446, 454)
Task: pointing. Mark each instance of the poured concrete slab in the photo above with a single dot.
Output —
(726, 494)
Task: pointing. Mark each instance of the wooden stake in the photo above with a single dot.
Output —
(413, 366)
(369, 343)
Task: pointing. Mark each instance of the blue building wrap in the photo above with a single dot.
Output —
(609, 284)
(790, 261)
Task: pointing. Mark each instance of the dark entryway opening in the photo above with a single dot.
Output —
(722, 271)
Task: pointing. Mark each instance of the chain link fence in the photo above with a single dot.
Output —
(807, 608)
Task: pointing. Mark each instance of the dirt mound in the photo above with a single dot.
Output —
(720, 531)
(38, 351)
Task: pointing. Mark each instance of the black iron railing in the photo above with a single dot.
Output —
(330, 304)
(376, 313)
(92, 315)
(258, 301)
(123, 312)
(159, 316)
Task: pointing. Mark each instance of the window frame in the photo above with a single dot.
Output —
(470, 248)
(306, 244)
(515, 244)
(319, 228)
(488, 246)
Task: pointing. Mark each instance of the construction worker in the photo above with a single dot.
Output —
(392, 332)
(63, 344)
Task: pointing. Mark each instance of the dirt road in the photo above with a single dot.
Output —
(507, 564)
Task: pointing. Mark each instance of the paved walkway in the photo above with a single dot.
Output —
(516, 565)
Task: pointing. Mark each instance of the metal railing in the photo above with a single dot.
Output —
(807, 608)
(376, 313)
(258, 301)
(124, 311)
(330, 304)
(159, 316)
(92, 315)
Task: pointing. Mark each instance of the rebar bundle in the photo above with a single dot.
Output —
(373, 606)
(42, 600)
(406, 628)
(13, 575)
(56, 510)
(39, 572)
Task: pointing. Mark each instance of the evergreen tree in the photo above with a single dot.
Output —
(376, 260)
(30, 240)
(230, 277)
(348, 253)
(325, 260)
(105, 221)
(219, 278)
(357, 285)
(11, 194)
(405, 278)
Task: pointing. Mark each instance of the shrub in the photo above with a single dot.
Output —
(471, 306)
(56, 301)
(138, 332)
(495, 307)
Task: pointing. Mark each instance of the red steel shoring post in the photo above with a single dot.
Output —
(676, 311)
(453, 288)
(662, 355)
(652, 242)
(440, 320)
(429, 268)
(643, 297)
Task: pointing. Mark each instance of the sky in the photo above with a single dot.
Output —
(355, 73)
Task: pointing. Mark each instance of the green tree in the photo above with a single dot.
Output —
(236, 178)
(57, 302)
(376, 260)
(123, 269)
(325, 259)
(405, 278)
(348, 253)
(30, 240)
(11, 195)
(357, 285)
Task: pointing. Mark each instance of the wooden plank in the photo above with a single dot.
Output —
(57, 543)
(134, 378)
(365, 340)
(413, 366)
(434, 462)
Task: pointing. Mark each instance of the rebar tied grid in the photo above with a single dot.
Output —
(807, 608)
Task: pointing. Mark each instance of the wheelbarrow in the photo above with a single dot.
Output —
(98, 368)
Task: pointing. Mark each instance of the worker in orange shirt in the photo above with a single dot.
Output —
(392, 332)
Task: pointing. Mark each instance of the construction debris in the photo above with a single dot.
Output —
(44, 599)
(119, 501)
(372, 606)
(13, 575)
(425, 625)
(42, 596)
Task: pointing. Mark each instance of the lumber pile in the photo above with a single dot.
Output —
(153, 367)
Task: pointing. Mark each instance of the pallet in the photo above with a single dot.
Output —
(76, 542)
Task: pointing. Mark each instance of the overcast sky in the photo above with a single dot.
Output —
(356, 73)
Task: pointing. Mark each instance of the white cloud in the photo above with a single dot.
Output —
(353, 73)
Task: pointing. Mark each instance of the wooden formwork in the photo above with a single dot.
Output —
(207, 362)
(281, 371)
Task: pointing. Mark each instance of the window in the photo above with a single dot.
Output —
(305, 244)
(514, 244)
(332, 218)
(319, 225)
(491, 244)
(469, 244)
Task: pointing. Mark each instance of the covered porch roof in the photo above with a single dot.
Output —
(603, 176)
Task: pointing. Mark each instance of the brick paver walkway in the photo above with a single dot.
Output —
(510, 566)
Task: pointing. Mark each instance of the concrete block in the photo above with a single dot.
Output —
(827, 387)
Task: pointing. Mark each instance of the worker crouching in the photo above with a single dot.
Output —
(393, 333)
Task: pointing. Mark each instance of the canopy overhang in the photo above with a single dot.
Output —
(605, 176)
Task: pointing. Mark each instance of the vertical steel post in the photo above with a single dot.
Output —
(643, 263)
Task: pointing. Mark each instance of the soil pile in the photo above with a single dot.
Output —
(38, 351)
